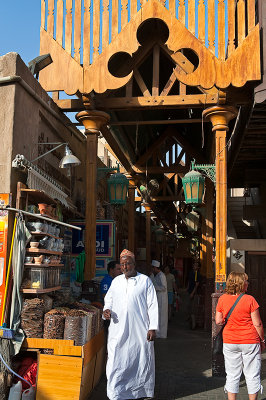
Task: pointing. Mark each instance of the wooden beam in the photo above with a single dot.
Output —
(162, 198)
(141, 84)
(159, 122)
(70, 104)
(189, 149)
(120, 155)
(142, 159)
(177, 169)
(156, 102)
(155, 71)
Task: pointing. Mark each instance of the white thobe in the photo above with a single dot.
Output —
(160, 285)
(130, 366)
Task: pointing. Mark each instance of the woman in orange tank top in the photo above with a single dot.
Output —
(243, 337)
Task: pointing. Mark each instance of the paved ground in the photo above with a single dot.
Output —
(183, 367)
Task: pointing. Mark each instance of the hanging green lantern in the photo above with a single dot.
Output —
(193, 184)
(117, 189)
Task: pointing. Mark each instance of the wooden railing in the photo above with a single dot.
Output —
(84, 28)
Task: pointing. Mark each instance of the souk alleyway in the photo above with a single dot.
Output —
(183, 362)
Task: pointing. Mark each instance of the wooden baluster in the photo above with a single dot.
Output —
(240, 21)
(50, 20)
(96, 28)
(201, 21)
(251, 15)
(114, 18)
(77, 31)
(181, 11)
(105, 24)
(133, 8)
(86, 34)
(124, 13)
(68, 28)
(172, 7)
(231, 27)
(221, 30)
(191, 16)
(59, 22)
(43, 14)
(211, 26)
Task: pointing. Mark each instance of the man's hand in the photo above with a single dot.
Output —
(107, 314)
(262, 346)
(151, 335)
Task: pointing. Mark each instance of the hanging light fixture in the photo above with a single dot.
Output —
(69, 160)
(194, 182)
(117, 188)
(194, 185)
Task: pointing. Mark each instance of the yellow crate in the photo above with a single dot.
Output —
(72, 371)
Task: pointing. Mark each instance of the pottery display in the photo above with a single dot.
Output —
(43, 208)
(47, 260)
(28, 259)
(34, 245)
(44, 243)
(39, 259)
(35, 226)
(57, 231)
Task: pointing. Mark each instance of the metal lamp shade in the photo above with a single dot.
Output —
(69, 160)
(117, 189)
(193, 184)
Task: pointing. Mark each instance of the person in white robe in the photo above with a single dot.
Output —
(160, 284)
(131, 305)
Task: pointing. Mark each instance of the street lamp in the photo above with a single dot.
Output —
(194, 182)
(117, 189)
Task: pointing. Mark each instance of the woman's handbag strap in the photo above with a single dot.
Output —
(233, 306)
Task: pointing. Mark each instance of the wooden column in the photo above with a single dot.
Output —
(93, 121)
(131, 214)
(220, 117)
(148, 234)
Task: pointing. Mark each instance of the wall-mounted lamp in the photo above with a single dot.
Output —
(39, 63)
(69, 160)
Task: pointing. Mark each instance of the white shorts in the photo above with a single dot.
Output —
(244, 358)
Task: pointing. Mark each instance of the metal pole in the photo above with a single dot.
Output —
(40, 217)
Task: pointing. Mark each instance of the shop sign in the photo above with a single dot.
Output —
(4, 201)
(104, 238)
(238, 257)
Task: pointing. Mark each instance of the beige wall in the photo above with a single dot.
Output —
(25, 121)
(246, 245)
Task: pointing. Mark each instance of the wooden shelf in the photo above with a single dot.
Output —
(43, 251)
(43, 265)
(39, 196)
(44, 234)
(39, 291)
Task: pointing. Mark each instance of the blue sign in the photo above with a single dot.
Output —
(104, 238)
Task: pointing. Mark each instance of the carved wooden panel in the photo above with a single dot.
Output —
(85, 36)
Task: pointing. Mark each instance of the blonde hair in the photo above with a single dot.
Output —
(235, 283)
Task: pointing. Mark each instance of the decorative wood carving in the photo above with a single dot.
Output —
(93, 74)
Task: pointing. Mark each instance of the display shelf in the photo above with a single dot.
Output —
(43, 251)
(44, 234)
(38, 196)
(43, 265)
(39, 291)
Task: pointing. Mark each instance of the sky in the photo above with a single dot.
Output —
(20, 22)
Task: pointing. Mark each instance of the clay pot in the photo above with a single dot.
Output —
(43, 208)
(38, 260)
(34, 245)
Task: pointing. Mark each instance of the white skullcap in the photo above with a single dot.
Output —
(155, 263)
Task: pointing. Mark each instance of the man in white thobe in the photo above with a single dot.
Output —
(131, 305)
(160, 284)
